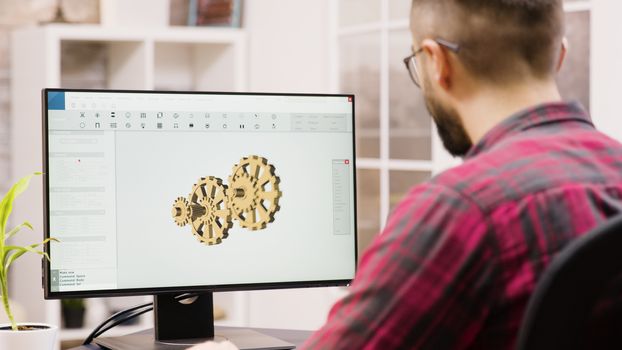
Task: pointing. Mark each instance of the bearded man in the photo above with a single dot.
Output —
(461, 254)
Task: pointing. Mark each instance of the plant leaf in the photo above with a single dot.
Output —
(13, 257)
(16, 229)
(6, 206)
(19, 251)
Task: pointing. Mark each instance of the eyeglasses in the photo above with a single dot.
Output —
(411, 61)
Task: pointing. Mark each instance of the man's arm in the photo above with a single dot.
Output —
(426, 281)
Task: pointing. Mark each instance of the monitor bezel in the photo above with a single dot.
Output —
(48, 294)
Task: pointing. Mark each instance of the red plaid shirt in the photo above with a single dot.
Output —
(461, 254)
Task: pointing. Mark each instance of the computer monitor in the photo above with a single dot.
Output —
(156, 192)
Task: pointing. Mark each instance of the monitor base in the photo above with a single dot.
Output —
(244, 339)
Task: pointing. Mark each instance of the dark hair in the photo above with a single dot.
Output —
(500, 40)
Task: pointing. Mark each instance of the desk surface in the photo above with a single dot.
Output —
(295, 337)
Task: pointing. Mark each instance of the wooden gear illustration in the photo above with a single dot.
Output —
(252, 199)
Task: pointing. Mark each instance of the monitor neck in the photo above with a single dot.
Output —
(175, 320)
(178, 326)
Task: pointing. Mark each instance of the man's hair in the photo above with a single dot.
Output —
(500, 40)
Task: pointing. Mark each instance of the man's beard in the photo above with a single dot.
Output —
(449, 125)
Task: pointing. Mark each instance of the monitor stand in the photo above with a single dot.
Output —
(178, 325)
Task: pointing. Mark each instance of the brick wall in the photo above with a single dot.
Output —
(83, 66)
(5, 125)
(14, 14)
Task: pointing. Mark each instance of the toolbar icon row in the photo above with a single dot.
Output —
(177, 115)
(159, 125)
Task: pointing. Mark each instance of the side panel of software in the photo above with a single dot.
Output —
(82, 206)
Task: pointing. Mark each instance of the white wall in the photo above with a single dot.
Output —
(288, 45)
(289, 52)
(606, 67)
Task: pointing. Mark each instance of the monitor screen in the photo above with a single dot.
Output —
(153, 191)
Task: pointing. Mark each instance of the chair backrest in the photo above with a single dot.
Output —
(560, 307)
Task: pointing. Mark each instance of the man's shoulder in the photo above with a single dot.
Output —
(528, 164)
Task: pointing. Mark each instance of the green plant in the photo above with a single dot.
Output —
(73, 311)
(10, 253)
(72, 303)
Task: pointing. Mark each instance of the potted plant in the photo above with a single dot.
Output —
(22, 335)
(73, 312)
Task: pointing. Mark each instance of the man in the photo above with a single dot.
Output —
(461, 254)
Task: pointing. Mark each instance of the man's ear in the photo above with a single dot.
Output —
(440, 67)
(562, 54)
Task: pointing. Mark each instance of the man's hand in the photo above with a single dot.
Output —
(212, 345)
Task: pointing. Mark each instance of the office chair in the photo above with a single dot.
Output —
(559, 309)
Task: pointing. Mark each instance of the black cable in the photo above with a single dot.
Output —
(125, 315)
(118, 322)
(112, 318)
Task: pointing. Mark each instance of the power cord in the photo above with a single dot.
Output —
(125, 315)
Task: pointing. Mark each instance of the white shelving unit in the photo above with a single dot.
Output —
(168, 58)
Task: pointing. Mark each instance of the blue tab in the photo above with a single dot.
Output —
(56, 100)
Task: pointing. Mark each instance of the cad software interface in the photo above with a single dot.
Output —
(156, 190)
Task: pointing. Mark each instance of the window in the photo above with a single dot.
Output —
(397, 146)
(574, 77)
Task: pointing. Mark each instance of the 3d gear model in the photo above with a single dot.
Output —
(252, 198)
(211, 218)
(205, 210)
(254, 193)
(181, 211)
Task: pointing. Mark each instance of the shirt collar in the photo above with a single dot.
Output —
(542, 114)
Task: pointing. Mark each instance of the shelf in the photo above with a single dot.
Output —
(169, 58)
(187, 58)
(89, 32)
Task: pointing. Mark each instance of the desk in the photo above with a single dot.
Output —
(292, 336)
